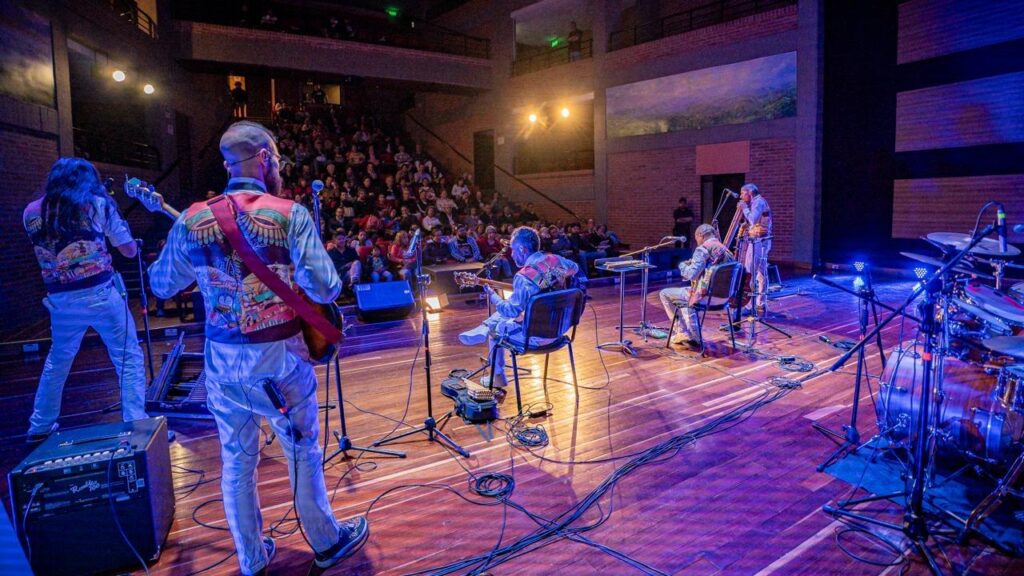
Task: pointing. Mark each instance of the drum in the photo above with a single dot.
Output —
(970, 321)
(1010, 388)
(1017, 292)
(972, 422)
(996, 302)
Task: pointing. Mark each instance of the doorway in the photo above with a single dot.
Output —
(712, 188)
(483, 159)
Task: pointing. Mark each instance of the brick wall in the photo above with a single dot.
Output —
(756, 26)
(25, 161)
(644, 187)
(925, 205)
(930, 28)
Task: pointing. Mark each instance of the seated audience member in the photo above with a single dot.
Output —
(346, 260)
(405, 264)
(436, 250)
(463, 247)
(378, 266)
(430, 221)
(492, 244)
(581, 247)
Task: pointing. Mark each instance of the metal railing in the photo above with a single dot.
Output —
(552, 57)
(699, 17)
(102, 148)
(129, 11)
(402, 33)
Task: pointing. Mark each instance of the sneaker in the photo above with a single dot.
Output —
(271, 548)
(681, 338)
(500, 381)
(38, 437)
(351, 535)
(475, 336)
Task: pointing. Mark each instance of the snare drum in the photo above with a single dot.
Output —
(972, 421)
(1010, 387)
(996, 302)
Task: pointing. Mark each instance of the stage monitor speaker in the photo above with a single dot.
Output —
(66, 494)
(380, 301)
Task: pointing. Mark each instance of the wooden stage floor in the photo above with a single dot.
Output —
(744, 500)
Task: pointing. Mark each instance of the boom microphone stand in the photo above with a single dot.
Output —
(430, 425)
(644, 328)
(344, 444)
(914, 525)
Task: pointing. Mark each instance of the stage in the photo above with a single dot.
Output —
(735, 497)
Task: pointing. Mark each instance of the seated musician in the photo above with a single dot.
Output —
(709, 252)
(539, 272)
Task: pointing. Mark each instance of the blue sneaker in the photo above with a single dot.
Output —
(351, 535)
(271, 548)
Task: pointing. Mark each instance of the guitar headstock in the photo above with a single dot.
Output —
(147, 195)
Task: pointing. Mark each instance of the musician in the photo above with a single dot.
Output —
(709, 252)
(69, 227)
(538, 272)
(252, 336)
(758, 217)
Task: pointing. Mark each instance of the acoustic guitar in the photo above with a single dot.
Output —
(320, 348)
(467, 279)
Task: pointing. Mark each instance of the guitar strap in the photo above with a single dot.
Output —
(225, 216)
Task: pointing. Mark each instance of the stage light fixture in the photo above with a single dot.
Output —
(148, 89)
(858, 282)
(533, 118)
(119, 75)
(859, 266)
(565, 112)
(920, 273)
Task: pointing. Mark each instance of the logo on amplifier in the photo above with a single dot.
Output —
(90, 485)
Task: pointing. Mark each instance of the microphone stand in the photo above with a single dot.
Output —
(344, 443)
(430, 425)
(914, 525)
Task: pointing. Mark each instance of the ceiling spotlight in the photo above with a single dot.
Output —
(119, 76)
(148, 89)
(533, 118)
(565, 112)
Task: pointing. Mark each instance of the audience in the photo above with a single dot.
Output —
(376, 195)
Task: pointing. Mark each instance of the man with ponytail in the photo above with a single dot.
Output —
(69, 228)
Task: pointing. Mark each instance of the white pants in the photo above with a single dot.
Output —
(755, 261)
(71, 314)
(672, 297)
(239, 410)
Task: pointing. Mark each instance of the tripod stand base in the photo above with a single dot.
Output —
(625, 346)
(344, 445)
(432, 428)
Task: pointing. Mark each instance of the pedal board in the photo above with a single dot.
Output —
(473, 403)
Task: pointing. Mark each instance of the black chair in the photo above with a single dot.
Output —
(549, 316)
(723, 288)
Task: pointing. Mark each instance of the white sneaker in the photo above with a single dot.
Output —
(681, 338)
(475, 336)
(500, 381)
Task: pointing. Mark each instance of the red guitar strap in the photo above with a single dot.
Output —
(225, 216)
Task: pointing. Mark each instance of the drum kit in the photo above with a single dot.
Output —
(975, 396)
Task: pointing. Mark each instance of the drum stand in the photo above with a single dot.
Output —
(850, 441)
(989, 504)
(914, 525)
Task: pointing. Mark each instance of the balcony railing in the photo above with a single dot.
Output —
(553, 57)
(700, 17)
(403, 33)
(100, 147)
(129, 11)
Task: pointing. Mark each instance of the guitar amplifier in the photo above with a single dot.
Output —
(71, 493)
(379, 301)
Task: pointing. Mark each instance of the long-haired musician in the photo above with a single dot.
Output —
(758, 217)
(709, 252)
(253, 341)
(69, 227)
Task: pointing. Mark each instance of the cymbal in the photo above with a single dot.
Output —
(929, 260)
(1012, 346)
(987, 247)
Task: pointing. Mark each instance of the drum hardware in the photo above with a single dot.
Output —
(914, 525)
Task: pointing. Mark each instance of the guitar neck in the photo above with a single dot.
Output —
(495, 284)
(170, 211)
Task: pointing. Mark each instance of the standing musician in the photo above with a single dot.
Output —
(754, 255)
(539, 272)
(709, 252)
(69, 227)
(254, 347)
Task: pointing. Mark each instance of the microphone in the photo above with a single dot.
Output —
(676, 238)
(108, 183)
(317, 186)
(730, 193)
(413, 243)
(1001, 228)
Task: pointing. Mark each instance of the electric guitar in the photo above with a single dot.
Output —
(320, 348)
(466, 279)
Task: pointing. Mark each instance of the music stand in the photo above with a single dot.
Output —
(623, 345)
(644, 328)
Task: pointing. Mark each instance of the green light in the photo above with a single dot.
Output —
(391, 11)
(554, 43)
